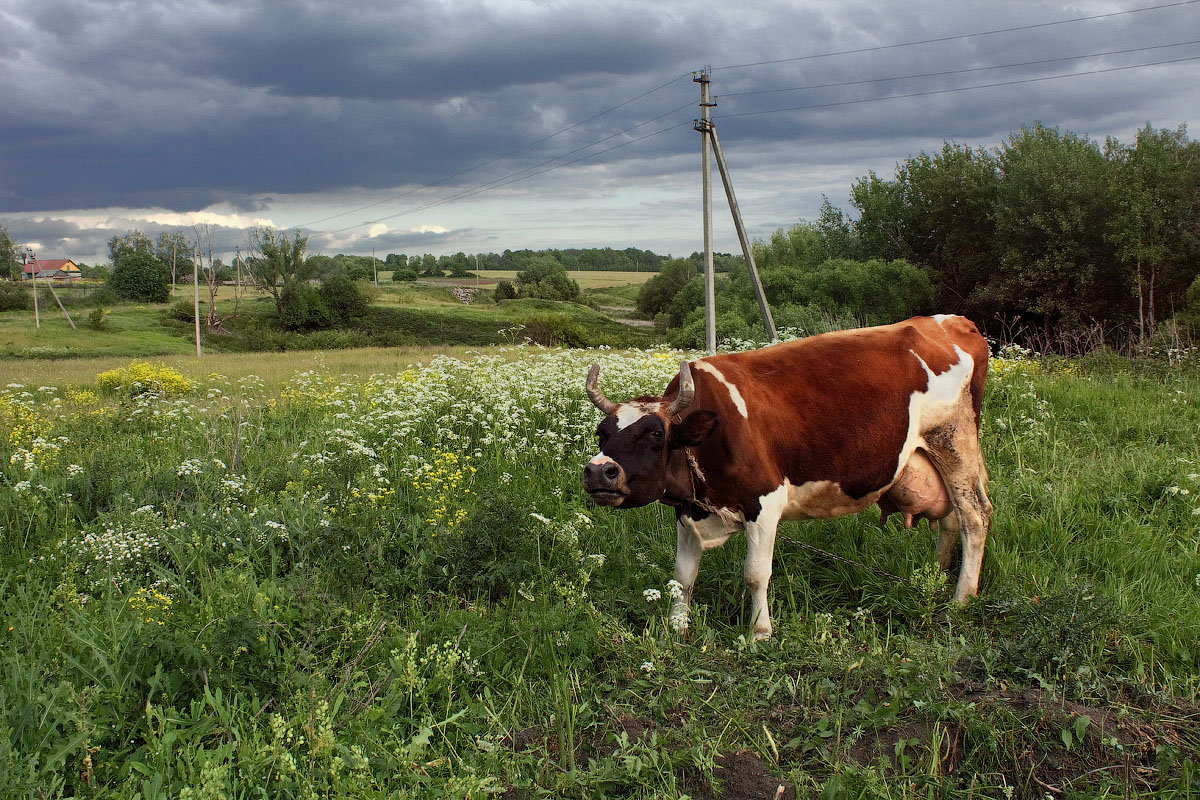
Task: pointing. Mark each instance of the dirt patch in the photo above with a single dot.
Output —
(738, 776)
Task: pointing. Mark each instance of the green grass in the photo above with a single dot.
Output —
(314, 582)
(401, 315)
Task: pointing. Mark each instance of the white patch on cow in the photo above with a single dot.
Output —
(714, 530)
(813, 500)
(600, 458)
(738, 401)
(944, 392)
(940, 318)
(940, 401)
(630, 413)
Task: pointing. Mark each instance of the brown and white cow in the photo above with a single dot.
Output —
(810, 429)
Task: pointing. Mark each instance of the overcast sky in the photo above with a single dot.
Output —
(484, 125)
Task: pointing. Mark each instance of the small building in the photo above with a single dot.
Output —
(57, 268)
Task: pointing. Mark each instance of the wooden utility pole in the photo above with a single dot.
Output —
(704, 125)
(63, 308)
(708, 138)
(32, 259)
(768, 320)
(375, 267)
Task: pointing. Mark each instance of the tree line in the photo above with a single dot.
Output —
(1051, 238)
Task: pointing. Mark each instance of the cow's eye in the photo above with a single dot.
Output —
(656, 435)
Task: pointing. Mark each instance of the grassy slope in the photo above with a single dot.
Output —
(317, 629)
(411, 315)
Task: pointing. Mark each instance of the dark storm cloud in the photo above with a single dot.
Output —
(183, 105)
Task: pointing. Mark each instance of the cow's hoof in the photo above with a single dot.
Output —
(760, 636)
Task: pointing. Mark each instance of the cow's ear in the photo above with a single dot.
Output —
(694, 429)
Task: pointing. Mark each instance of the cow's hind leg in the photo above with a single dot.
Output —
(959, 459)
(947, 542)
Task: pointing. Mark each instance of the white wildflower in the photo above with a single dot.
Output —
(651, 595)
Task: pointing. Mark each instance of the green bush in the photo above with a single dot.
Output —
(141, 277)
(97, 319)
(15, 296)
(404, 274)
(545, 279)
(183, 311)
(344, 298)
(302, 308)
(553, 330)
(504, 291)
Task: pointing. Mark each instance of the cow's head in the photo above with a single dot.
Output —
(637, 441)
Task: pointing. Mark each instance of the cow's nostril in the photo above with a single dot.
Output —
(612, 471)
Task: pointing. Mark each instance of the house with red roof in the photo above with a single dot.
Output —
(58, 268)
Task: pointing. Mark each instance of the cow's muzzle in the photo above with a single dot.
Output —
(604, 480)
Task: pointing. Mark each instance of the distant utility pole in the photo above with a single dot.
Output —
(29, 258)
(375, 267)
(708, 137)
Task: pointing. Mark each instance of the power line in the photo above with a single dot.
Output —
(516, 177)
(499, 157)
(956, 89)
(944, 73)
(878, 48)
(534, 171)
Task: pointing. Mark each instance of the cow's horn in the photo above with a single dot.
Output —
(687, 390)
(594, 394)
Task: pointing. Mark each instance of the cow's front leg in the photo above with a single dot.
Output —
(760, 551)
(693, 537)
(688, 549)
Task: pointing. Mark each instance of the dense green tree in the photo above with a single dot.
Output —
(344, 298)
(1155, 186)
(658, 292)
(141, 277)
(1052, 206)
(174, 248)
(396, 260)
(802, 246)
(504, 291)
(10, 263)
(429, 266)
(132, 242)
(302, 308)
(545, 278)
(278, 263)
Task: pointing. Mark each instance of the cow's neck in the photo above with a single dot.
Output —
(685, 481)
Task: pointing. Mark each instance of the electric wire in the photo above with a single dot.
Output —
(945, 73)
(500, 157)
(536, 169)
(877, 48)
(952, 90)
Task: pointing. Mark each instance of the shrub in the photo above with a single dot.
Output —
(302, 308)
(97, 319)
(15, 296)
(404, 274)
(183, 310)
(141, 277)
(504, 291)
(141, 377)
(545, 279)
(344, 298)
(553, 330)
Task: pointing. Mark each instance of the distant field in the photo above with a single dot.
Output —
(587, 279)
